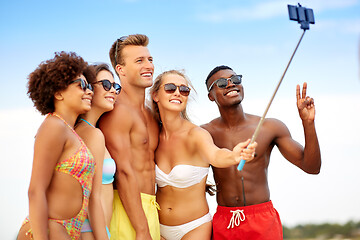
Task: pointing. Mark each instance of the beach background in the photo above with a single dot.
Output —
(255, 38)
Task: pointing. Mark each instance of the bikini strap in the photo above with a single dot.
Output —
(57, 115)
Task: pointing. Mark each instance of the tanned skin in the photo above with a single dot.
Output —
(131, 136)
(234, 125)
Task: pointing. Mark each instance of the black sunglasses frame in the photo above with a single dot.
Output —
(107, 85)
(171, 88)
(235, 79)
(83, 84)
(121, 39)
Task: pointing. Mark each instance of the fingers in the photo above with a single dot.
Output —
(297, 92)
(308, 102)
(303, 93)
(249, 153)
(304, 90)
(243, 145)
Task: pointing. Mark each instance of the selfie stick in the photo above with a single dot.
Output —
(304, 16)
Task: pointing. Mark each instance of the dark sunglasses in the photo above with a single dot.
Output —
(123, 38)
(84, 84)
(171, 88)
(107, 85)
(223, 82)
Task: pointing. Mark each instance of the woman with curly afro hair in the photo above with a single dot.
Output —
(63, 167)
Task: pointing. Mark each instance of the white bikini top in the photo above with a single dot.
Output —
(181, 176)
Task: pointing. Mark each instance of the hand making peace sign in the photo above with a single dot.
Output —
(305, 104)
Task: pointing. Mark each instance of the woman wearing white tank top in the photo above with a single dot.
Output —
(183, 157)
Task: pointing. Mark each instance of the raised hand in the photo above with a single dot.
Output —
(305, 104)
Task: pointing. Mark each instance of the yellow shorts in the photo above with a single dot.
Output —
(120, 225)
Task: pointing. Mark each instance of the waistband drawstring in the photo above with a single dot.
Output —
(153, 201)
(237, 217)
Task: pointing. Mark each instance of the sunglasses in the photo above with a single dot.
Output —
(123, 38)
(171, 88)
(223, 82)
(107, 85)
(83, 84)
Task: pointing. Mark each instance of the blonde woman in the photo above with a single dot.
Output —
(183, 157)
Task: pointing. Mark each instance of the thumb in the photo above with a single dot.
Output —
(241, 146)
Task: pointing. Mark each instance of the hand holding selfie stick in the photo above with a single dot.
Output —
(304, 16)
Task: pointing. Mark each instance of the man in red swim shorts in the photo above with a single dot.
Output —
(244, 207)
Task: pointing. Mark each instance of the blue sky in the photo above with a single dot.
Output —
(254, 37)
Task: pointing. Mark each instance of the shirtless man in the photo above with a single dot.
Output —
(131, 136)
(244, 208)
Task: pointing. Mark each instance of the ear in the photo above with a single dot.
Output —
(120, 70)
(210, 96)
(155, 97)
(58, 96)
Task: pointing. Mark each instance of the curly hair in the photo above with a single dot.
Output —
(90, 74)
(52, 76)
(155, 88)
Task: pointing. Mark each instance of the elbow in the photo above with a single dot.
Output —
(34, 193)
(314, 170)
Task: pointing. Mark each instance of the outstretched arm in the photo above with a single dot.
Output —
(221, 157)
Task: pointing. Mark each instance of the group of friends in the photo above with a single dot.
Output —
(109, 165)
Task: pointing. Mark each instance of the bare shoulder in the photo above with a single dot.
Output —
(120, 117)
(212, 125)
(197, 134)
(91, 135)
(276, 126)
(52, 127)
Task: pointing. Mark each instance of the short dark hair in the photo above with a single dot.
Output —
(215, 70)
(102, 67)
(52, 76)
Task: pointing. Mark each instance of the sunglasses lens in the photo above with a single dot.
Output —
(184, 90)
(106, 85)
(222, 82)
(82, 84)
(90, 87)
(117, 88)
(236, 79)
(169, 87)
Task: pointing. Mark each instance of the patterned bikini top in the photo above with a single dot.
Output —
(81, 166)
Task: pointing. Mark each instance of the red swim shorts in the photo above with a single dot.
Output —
(252, 222)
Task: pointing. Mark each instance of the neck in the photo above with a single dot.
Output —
(92, 116)
(134, 96)
(232, 115)
(172, 122)
(69, 118)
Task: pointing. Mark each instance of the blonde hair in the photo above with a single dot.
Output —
(155, 88)
(118, 46)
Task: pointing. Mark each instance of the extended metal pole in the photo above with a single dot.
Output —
(242, 162)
